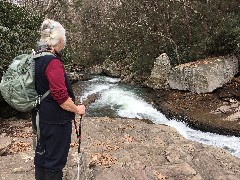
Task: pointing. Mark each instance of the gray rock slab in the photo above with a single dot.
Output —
(203, 76)
(120, 149)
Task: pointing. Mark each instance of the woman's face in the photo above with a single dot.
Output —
(61, 45)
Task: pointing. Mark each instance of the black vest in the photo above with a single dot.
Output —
(49, 110)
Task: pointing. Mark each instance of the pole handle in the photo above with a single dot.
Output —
(81, 100)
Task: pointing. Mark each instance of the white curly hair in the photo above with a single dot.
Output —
(51, 32)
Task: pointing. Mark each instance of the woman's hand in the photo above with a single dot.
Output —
(69, 105)
(81, 109)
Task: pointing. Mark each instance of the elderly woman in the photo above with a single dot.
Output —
(57, 110)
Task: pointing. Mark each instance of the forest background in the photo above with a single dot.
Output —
(119, 30)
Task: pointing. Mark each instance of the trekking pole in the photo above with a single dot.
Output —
(78, 133)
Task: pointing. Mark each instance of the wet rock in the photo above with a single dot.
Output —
(205, 112)
(230, 90)
(122, 69)
(74, 77)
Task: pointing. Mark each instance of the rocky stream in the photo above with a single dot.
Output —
(127, 148)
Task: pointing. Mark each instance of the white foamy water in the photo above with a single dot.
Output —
(125, 102)
(128, 105)
(229, 143)
(93, 89)
(105, 79)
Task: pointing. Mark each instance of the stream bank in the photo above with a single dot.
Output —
(216, 112)
(120, 148)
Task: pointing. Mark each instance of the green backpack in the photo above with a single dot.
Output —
(18, 84)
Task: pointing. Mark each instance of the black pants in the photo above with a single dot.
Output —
(52, 150)
(43, 174)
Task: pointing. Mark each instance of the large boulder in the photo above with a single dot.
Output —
(203, 76)
(159, 75)
(128, 75)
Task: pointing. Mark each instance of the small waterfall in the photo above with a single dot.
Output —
(118, 100)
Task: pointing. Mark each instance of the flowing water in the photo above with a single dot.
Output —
(118, 100)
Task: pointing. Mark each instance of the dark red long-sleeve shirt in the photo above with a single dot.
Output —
(55, 74)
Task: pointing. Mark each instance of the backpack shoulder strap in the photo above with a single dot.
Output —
(37, 117)
(44, 95)
(43, 53)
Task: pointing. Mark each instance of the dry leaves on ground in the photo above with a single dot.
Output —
(107, 146)
(102, 160)
(19, 147)
(127, 138)
(159, 176)
(22, 134)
